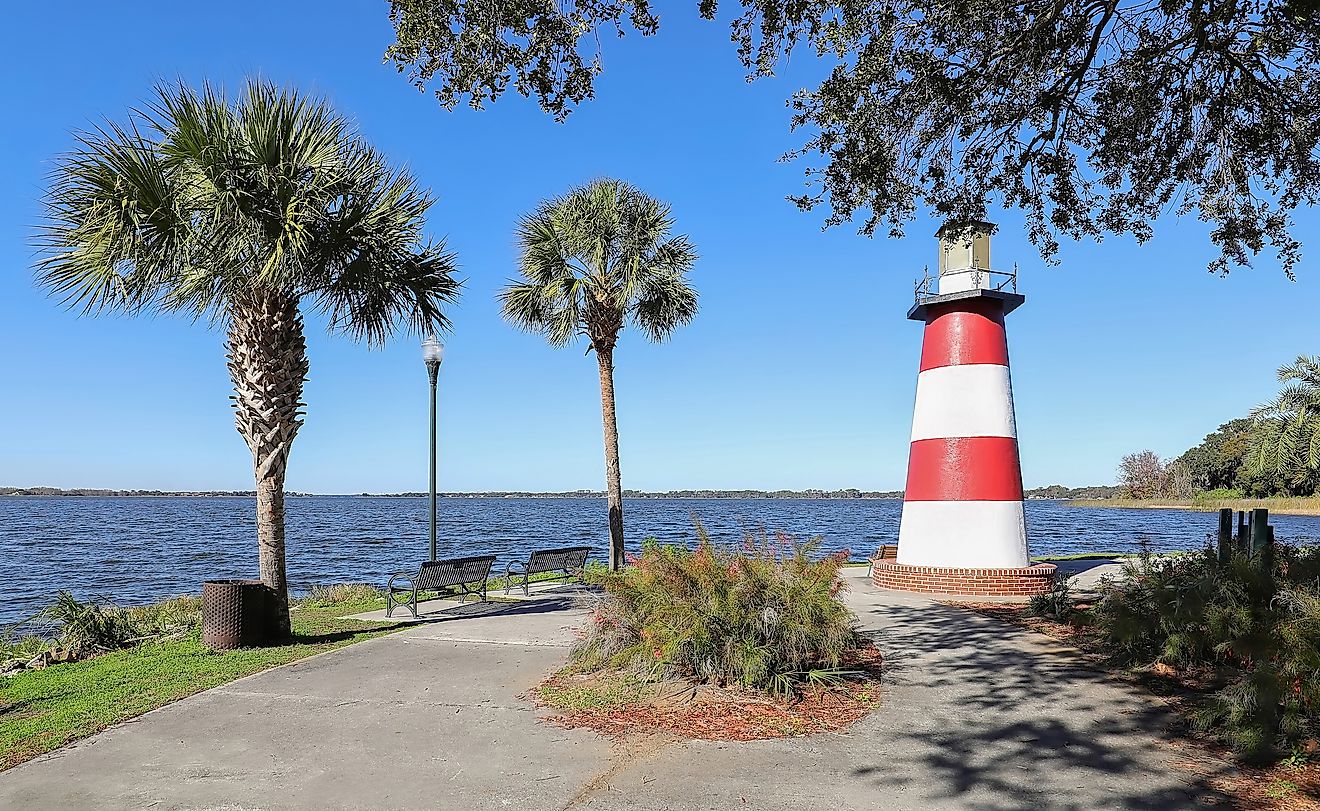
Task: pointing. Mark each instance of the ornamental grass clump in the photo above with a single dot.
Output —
(92, 627)
(70, 629)
(1248, 626)
(765, 616)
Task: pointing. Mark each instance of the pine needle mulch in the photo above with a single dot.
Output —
(618, 706)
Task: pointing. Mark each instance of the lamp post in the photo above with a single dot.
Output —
(433, 352)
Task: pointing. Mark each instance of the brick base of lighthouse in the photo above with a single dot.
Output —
(1026, 581)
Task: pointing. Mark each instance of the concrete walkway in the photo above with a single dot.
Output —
(976, 715)
(1085, 576)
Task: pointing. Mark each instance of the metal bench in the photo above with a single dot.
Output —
(468, 575)
(571, 561)
(884, 553)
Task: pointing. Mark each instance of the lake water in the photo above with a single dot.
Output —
(133, 550)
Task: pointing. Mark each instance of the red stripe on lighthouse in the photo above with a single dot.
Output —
(971, 468)
(973, 333)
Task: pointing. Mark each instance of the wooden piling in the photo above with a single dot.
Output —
(1225, 540)
(1260, 530)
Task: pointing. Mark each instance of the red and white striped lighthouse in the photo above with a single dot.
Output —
(963, 529)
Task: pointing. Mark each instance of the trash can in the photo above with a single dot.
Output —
(235, 614)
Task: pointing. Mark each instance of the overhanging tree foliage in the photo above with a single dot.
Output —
(1092, 116)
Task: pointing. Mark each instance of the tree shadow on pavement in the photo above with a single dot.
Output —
(993, 718)
(544, 602)
(331, 637)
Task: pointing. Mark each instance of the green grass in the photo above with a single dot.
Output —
(1114, 556)
(515, 583)
(1309, 505)
(41, 710)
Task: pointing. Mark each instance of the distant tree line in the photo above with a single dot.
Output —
(1052, 491)
(1273, 451)
(95, 492)
(1060, 492)
(850, 492)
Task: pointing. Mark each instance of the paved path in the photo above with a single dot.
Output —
(976, 715)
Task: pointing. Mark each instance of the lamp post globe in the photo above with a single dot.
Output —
(433, 353)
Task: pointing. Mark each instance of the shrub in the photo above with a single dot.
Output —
(764, 616)
(83, 629)
(1058, 603)
(166, 618)
(91, 627)
(1252, 621)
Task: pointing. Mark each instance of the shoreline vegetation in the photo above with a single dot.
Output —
(1299, 505)
(634, 494)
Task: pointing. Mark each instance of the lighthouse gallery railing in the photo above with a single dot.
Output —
(928, 286)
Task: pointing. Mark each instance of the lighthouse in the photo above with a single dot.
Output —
(963, 529)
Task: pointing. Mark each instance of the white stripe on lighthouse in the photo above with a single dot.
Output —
(970, 400)
(973, 534)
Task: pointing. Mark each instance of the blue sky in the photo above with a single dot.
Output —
(799, 372)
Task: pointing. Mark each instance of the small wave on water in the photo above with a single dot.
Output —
(134, 550)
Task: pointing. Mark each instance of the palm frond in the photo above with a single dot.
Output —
(667, 303)
(1285, 437)
(199, 200)
(1305, 370)
(114, 232)
(550, 310)
(1261, 445)
(595, 256)
(378, 291)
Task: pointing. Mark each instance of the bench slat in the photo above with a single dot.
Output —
(571, 560)
(468, 574)
(444, 573)
(553, 560)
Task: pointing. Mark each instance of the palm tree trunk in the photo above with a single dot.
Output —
(267, 357)
(614, 488)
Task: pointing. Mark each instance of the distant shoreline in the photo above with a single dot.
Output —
(1052, 492)
(48, 492)
(1278, 506)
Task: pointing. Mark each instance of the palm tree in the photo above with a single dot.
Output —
(1286, 436)
(592, 260)
(241, 213)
